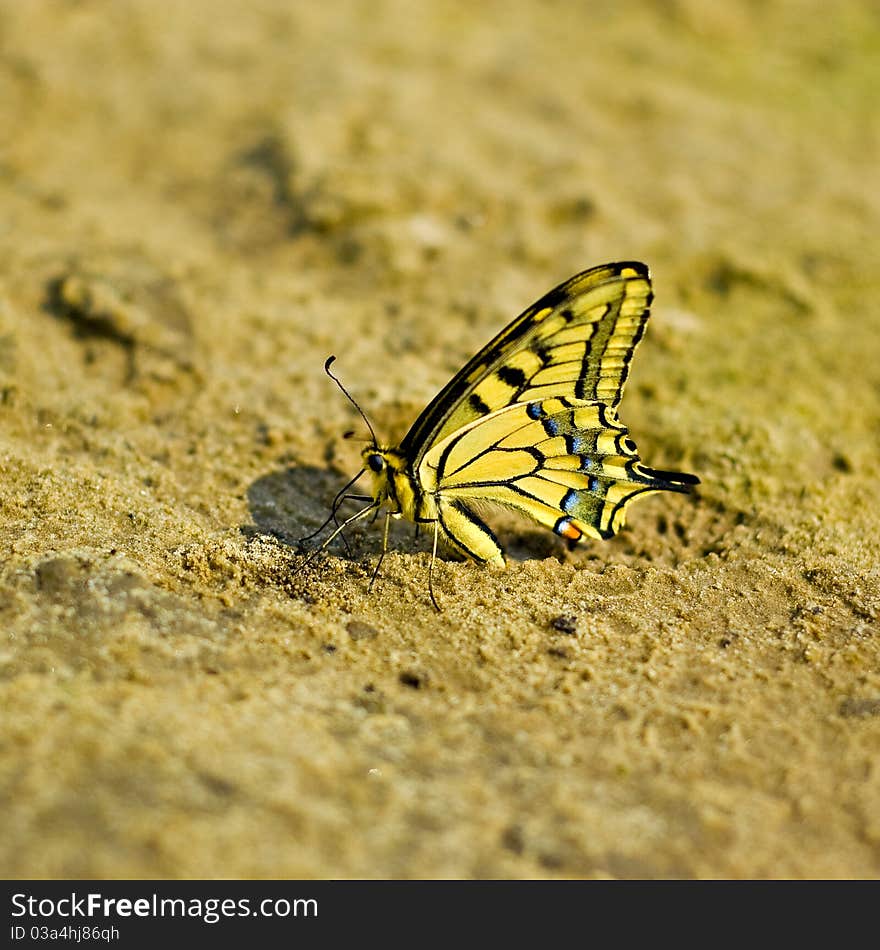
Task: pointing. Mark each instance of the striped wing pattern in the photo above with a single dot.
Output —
(576, 341)
(567, 463)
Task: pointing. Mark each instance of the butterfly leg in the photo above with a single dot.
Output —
(355, 517)
(337, 501)
(350, 497)
(437, 606)
(384, 552)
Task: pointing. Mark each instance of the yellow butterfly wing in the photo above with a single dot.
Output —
(576, 341)
(567, 463)
(530, 423)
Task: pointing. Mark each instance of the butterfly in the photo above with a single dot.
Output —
(530, 424)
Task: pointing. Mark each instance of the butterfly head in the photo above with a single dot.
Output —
(382, 463)
(393, 486)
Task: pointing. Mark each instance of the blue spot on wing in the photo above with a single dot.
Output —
(534, 411)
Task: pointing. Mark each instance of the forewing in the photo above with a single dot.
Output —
(568, 464)
(576, 341)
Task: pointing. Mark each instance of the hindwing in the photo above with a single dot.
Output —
(568, 464)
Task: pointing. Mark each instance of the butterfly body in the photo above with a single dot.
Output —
(530, 424)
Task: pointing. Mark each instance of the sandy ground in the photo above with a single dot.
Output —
(198, 203)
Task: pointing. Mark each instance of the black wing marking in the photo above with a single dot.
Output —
(576, 341)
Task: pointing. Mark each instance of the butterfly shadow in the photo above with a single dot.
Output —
(291, 503)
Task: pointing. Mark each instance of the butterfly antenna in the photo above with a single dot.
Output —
(348, 395)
